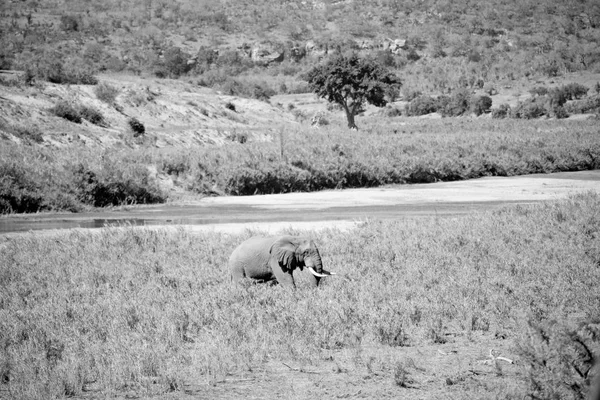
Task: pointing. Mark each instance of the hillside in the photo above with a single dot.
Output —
(435, 46)
(174, 114)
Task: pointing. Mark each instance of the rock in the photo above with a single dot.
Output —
(315, 50)
(394, 46)
(266, 56)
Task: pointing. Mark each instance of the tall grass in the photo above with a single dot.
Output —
(140, 310)
(402, 151)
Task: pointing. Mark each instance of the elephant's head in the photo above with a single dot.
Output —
(295, 252)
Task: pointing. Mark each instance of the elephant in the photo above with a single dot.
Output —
(274, 258)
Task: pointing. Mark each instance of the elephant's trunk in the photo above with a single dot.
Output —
(314, 264)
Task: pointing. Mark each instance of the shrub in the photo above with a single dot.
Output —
(558, 97)
(458, 104)
(69, 23)
(539, 91)
(230, 106)
(560, 112)
(392, 112)
(481, 105)
(501, 112)
(116, 185)
(106, 93)
(67, 111)
(588, 105)
(19, 192)
(575, 91)
(136, 126)
(52, 67)
(93, 115)
(30, 133)
(254, 90)
(529, 110)
(413, 55)
(29, 182)
(422, 105)
(173, 64)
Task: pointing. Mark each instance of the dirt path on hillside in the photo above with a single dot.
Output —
(330, 208)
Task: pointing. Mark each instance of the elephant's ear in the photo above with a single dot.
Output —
(284, 252)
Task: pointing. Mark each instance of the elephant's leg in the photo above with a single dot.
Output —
(313, 281)
(284, 278)
(237, 274)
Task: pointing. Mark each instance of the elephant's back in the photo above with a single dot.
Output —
(251, 252)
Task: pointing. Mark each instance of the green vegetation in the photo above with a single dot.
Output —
(143, 311)
(422, 151)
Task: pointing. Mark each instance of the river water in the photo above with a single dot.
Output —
(325, 208)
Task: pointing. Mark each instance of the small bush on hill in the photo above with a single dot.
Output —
(575, 91)
(458, 104)
(529, 109)
(422, 105)
(67, 111)
(93, 115)
(106, 93)
(501, 112)
(481, 105)
(560, 112)
(392, 112)
(173, 64)
(557, 97)
(136, 126)
(539, 91)
(30, 133)
(52, 67)
(585, 106)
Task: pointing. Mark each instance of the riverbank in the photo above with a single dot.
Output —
(327, 208)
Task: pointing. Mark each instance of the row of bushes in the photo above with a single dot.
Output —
(343, 159)
(77, 112)
(441, 151)
(546, 102)
(547, 105)
(570, 91)
(37, 180)
(459, 103)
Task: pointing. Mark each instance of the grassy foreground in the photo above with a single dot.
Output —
(398, 150)
(137, 310)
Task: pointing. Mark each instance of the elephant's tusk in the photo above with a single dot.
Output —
(322, 275)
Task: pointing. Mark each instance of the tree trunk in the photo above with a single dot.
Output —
(350, 117)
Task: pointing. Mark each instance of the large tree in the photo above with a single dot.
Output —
(350, 81)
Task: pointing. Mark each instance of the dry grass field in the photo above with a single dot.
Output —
(414, 312)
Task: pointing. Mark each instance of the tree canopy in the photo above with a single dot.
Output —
(350, 81)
